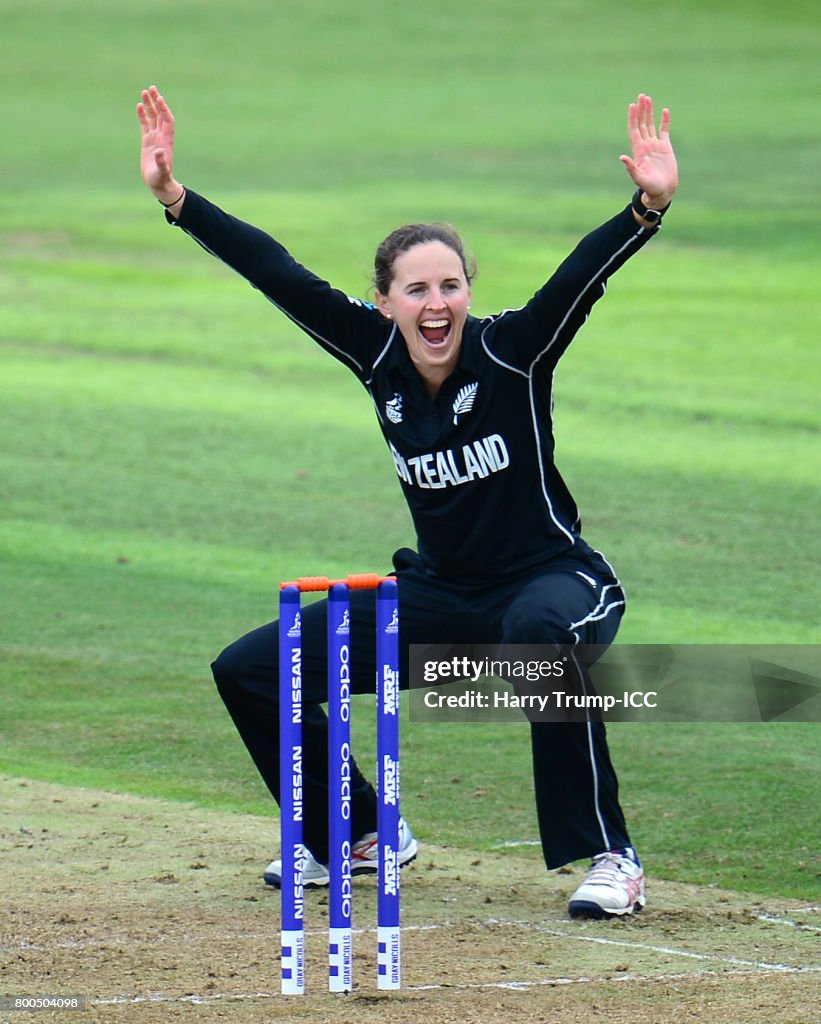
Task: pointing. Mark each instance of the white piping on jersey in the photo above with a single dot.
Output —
(492, 355)
(578, 298)
(594, 768)
(596, 804)
(613, 574)
(369, 381)
(597, 614)
(538, 437)
(529, 374)
(381, 355)
(346, 356)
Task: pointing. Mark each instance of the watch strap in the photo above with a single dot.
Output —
(650, 216)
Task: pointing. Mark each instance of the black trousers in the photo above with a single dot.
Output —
(572, 600)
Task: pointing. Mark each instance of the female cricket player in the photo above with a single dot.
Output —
(464, 404)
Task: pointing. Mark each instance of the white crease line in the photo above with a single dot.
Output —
(190, 998)
(784, 920)
(515, 986)
(626, 976)
(668, 950)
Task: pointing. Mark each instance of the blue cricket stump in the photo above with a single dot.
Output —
(340, 933)
(290, 774)
(387, 753)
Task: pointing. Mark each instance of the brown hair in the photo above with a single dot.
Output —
(405, 238)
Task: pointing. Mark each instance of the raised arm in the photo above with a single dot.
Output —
(544, 327)
(350, 330)
(157, 150)
(652, 165)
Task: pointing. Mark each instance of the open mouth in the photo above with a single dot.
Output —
(435, 332)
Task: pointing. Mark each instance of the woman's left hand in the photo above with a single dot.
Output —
(652, 166)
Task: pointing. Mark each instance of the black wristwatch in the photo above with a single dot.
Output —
(650, 216)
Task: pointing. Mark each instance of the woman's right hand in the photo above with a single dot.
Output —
(653, 164)
(157, 151)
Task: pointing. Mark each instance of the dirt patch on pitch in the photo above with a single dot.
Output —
(155, 912)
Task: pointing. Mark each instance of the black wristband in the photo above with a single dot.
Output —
(651, 216)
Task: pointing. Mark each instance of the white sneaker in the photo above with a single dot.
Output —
(614, 887)
(365, 852)
(314, 874)
(364, 860)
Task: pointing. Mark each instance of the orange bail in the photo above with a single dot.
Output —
(355, 581)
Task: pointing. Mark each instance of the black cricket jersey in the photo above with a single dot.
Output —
(476, 463)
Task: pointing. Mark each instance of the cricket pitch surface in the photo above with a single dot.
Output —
(156, 912)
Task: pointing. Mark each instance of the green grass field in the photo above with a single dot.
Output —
(166, 452)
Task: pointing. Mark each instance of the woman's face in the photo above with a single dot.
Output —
(429, 298)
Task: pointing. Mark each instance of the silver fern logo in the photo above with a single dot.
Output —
(393, 409)
(463, 402)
